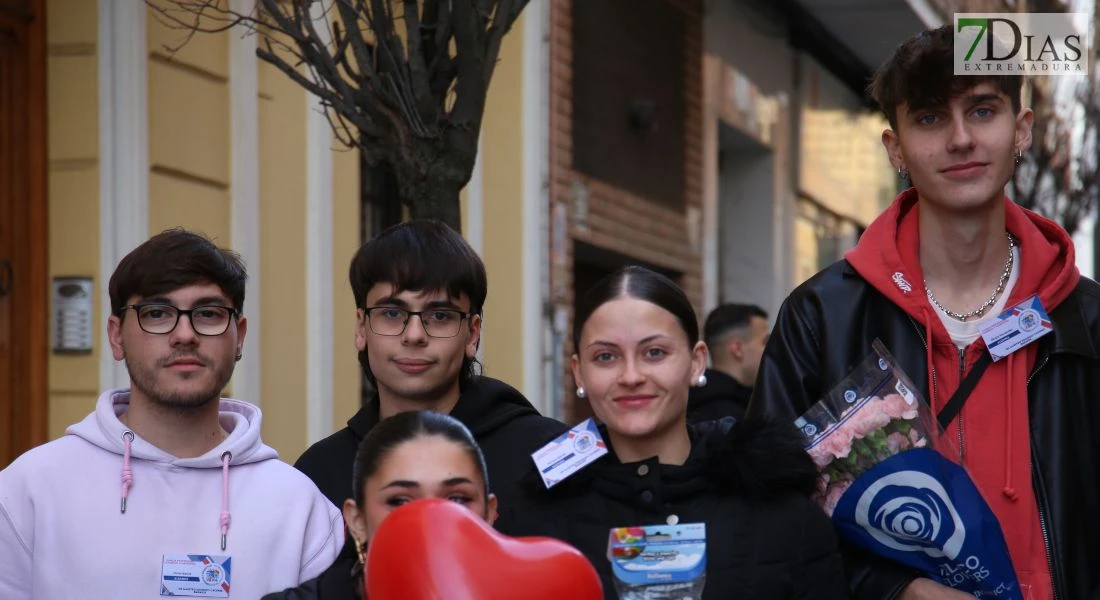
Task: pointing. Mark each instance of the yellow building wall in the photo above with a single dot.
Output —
(347, 376)
(502, 176)
(283, 260)
(73, 142)
(189, 133)
(189, 186)
(283, 267)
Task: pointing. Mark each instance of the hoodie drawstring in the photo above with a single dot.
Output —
(1009, 491)
(224, 519)
(128, 479)
(127, 472)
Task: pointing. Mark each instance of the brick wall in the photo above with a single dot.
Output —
(607, 217)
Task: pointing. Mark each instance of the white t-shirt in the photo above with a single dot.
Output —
(963, 333)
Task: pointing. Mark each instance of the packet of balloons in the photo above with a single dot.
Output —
(889, 488)
(659, 562)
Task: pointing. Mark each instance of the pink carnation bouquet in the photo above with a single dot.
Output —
(871, 415)
(888, 487)
(867, 433)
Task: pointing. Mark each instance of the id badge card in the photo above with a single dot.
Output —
(658, 555)
(1016, 327)
(570, 452)
(195, 575)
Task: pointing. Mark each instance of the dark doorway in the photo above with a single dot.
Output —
(24, 327)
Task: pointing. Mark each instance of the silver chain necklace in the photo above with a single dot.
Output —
(977, 312)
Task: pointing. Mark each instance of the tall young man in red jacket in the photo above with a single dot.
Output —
(950, 254)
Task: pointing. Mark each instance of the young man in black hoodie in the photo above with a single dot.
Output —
(419, 292)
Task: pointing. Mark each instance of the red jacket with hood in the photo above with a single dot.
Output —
(992, 430)
(1030, 432)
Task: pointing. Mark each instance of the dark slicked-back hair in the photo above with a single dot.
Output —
(920, 74)
(638, 282)
(421, 255)
(728, 318)
(173, 259)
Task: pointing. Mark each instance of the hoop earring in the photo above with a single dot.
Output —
(360, 552)
(580, 392)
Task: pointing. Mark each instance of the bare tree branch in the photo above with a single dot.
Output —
(1060, 176)
(411, 103)
(418, 68)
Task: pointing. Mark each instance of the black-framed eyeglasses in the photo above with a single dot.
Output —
(437, 322)
(161, 319)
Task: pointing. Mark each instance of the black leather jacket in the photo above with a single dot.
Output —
(826, 327)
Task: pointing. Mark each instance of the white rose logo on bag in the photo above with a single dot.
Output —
(911, 511)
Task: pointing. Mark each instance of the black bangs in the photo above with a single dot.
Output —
(420, 255)
(928, 79)
(920, 74)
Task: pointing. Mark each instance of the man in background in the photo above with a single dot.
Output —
(736, 335)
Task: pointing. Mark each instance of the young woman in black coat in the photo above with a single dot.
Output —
(637, 353)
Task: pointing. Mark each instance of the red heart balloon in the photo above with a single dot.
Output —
(435, 549)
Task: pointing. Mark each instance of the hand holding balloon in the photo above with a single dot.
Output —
(435, 549)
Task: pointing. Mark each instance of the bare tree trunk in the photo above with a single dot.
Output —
(380, 201)
(438, 200)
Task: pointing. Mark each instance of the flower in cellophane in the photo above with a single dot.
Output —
(889, 489)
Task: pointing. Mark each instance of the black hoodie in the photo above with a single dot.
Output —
(507, 428)
(722, 396)
(503, 422)
(749, 482)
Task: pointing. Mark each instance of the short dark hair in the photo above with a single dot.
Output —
(390, 433)
(920, 74)
(637, 282)
(420, 255)
(729, 317)
(172, 259)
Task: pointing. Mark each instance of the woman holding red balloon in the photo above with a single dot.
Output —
(406, 457)
(638, 352)
(426, 469)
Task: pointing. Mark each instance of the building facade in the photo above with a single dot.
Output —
(712, 141)
(137, 137)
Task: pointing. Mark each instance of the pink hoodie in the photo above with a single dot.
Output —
(63, 533)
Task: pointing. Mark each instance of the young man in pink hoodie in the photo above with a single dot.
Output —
(204, 507)
(946, 258)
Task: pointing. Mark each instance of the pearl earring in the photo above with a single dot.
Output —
(702, 381)
(580, 392)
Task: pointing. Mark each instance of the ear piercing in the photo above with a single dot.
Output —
(580, 392)
(701, 381)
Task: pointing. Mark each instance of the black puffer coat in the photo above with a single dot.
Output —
(749, 482)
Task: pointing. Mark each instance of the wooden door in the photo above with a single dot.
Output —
(24, 328)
